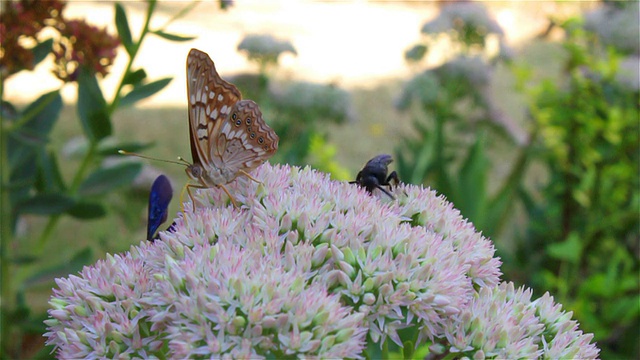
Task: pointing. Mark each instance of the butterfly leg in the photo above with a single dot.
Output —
(250, 177)
(193, 201)
(188, 188)
(233, 200)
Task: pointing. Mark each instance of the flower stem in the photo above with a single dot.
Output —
(181, 13)
(132, 56)
(6, 236)
(89, 156)
(77, 180)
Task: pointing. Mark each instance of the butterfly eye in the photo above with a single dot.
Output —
(238, 120)
(253, 135)
(266, 148)
(260, 140)
(248, 121)
(234, 116)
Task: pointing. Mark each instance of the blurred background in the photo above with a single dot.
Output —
(523, 114)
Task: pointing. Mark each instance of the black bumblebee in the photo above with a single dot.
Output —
(374, 175)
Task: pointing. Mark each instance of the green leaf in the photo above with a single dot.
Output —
(63, 269)
(8, 112)
(24, 259)
(86, 210)
(408, 349)
(416, 53)
(172, 37)
(569, 250)
(373, 350)
(596, 285)
(134, 77)
(22, 177)
(27, 138)
(49, 172)
(92, 108)
(104, 180)
(41, 51)
(46, 204)
(43, 113)
(122, 24)
(472, 183)
(143, 91)
(422, 161)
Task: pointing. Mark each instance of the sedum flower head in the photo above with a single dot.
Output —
(100, 313)
(306, 267)
(561, 338)
(498, 323)
(502, 322)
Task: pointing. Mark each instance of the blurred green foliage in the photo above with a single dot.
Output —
(583, 238)
(32, 180)
(455, 116)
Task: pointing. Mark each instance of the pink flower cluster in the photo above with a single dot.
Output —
(307, 267)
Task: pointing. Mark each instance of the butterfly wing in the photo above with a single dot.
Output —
(159, 199)
(210, 100)
(244, 141)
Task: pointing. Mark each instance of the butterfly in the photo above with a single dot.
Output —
(159, 199)
(228, 135)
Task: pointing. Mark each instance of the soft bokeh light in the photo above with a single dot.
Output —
(352, 43)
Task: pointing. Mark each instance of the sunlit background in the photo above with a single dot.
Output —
(351, 43)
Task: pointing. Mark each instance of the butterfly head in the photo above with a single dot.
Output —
(194, 172)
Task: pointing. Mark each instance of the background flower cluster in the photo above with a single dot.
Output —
(308, 267)
(78, 44)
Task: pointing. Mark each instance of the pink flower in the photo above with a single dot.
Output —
(306, 267)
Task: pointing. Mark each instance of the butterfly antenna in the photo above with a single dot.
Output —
(181, 162)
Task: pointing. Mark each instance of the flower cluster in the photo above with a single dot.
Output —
(615, 25)
(463, 17)
(79, 43)
(561, 338)
(265, 49)
(502, 322)
(469, 29)
(83, 45)
(327, 101)
(22, 20)
(307, 267)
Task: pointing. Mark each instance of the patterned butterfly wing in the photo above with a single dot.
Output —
(159, 199)
(244, 141)
(210, 100)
